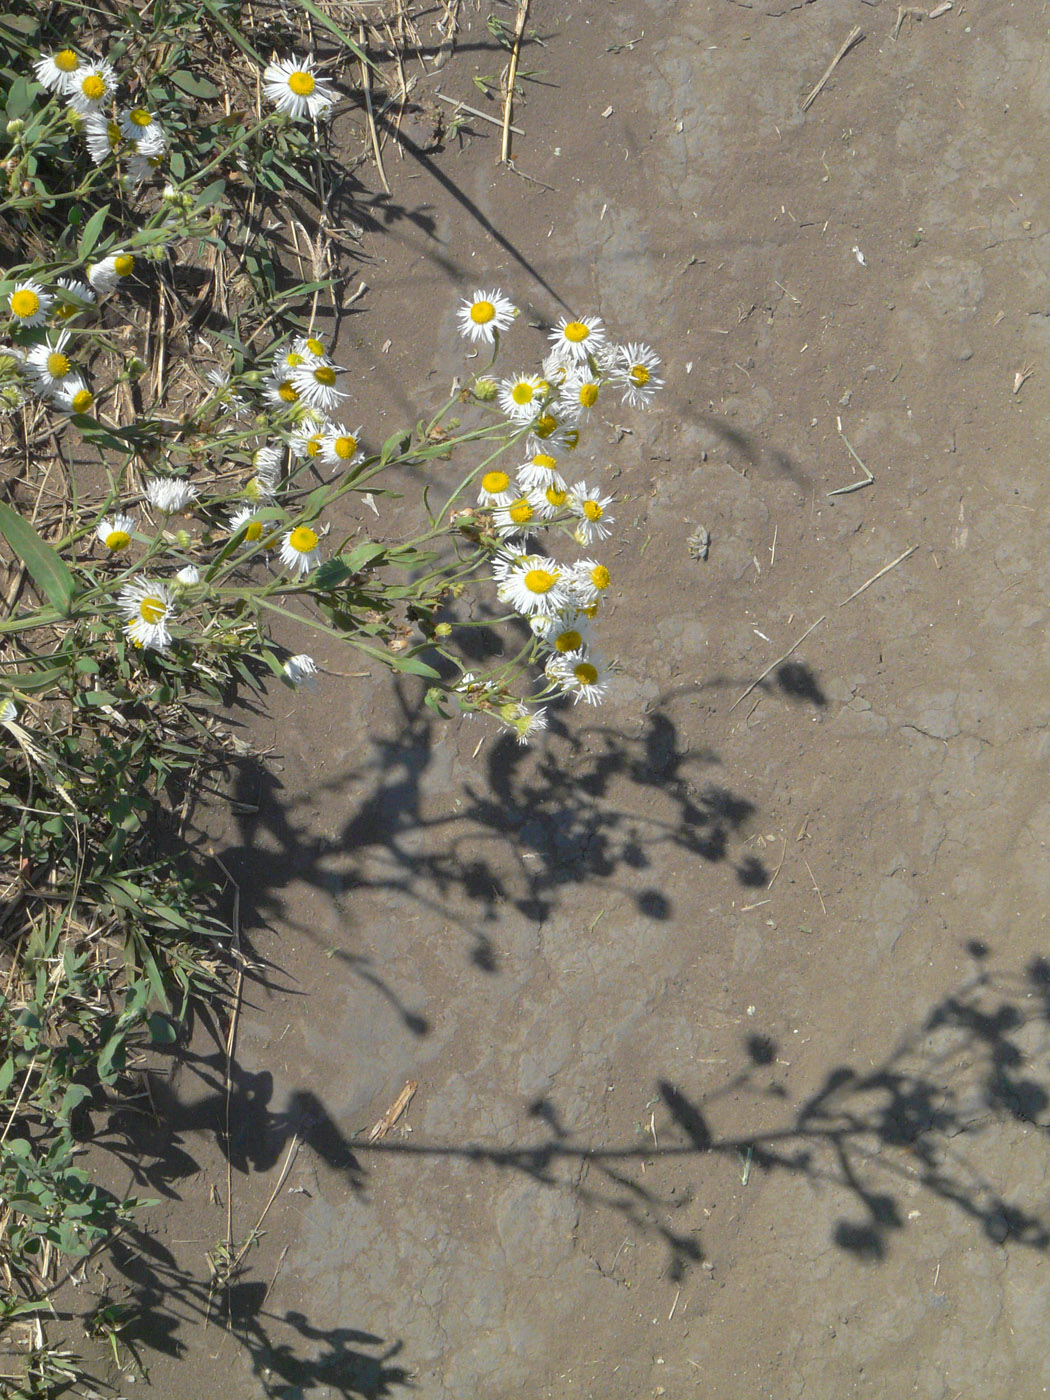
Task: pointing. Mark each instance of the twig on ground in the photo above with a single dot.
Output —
(854, 485)
(875, 577)
(366, 85)
(475, 112)
(393, 1113)
(853, 37)
(774, 664)
(512, 73)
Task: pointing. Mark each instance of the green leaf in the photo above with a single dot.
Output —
(211, 194)
(30, 681)
(92, 231)
(7, 1073)
(46, 566)
(362, 555)
(397, 442)
(193, 86)
(19, 99)
(161, 1029)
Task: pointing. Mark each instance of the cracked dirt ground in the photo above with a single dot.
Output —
(729, 1016)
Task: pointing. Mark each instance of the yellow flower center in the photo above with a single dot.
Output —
(325, 374)
(66, 61)
(545, 424)
(556, 497)
(576, 331)
(572, 439)
(482, 312)
(522, 392)
(287, 391)
(302, 84)
(588, 395)
(57, 364)
(585, 673)
(639, 376)
(65, 310)
(313, 445)
(495, 482)
(113, 135)
(293, 359)
(151, 609)
(82, 400)
(568, 641)
(123, 264)
(93, 87)
(345, 447)
(25, 303)
(540, 580)
(138, 116)
(601, 577)
(303, 540)
(592, 510)
(254, 531)
(315, 347)
(545, 460)
(521, 511)
(117, 540)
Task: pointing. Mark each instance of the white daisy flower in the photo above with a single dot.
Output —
(301, 670)
(188, 576)
(550, 433)
(586, 583)
(308, 348)
(315, 384)
(147, 607)
(29, 303)
(554, 500)
(340, 447)
(591, 508)
(578, 395)
(139, 124)
(102, 136)
(521, 516)
(300, 550)
(267, 464)
(583, 677)
(142, 166)
(115, 532)
(90, 87)
(109, 274)
(58, 71)
(168, 495)
(541, 471)
(308, 442)
(71, 395)
(226, 397)
(531, 583)
(521, 396)
(484, 314)
(636, 367)
(71, 297)
(8, 712)
(49, 364)
(525, 723)
(249, 521)
(575, 339)
(570, 631)
(556, 367)
(496, 489)
(289, 83)
(281, 392)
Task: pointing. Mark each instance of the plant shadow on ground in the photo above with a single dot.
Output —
(520, 832)
(975, 1064)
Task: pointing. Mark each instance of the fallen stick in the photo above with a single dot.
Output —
(393, 1113)
(853, 37)
(875, 577)
(366, 83)
(475, 112)
(773, 665)
(512, 73)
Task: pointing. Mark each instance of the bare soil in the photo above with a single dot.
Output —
(729, 1003)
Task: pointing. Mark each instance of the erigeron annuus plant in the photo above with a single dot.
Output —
(171, 499)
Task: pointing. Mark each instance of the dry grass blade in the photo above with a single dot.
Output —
(512, 73)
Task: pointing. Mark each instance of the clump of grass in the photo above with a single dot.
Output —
(177, 475)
